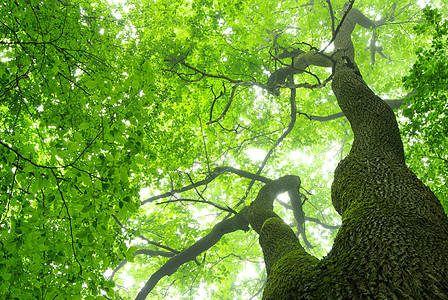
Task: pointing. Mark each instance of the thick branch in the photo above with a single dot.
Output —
(342, 42)
(263, 205)
(277, 239)
(260, 210)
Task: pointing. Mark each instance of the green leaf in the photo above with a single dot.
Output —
(91, 84)
(129, 257)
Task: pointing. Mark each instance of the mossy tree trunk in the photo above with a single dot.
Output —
(393, 243)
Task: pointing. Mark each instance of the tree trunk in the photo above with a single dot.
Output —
(393, 243)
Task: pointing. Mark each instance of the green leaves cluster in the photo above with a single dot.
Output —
(67, 149)
(427, 126)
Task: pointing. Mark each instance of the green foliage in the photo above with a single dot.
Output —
(67, 151)
(426, 125)
(91, 112)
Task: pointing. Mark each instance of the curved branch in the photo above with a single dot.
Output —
(232, 95)
(277, 239)
(330, 8)
(292, 122)
(238, 222)
(310, 219)
(222, 93)
(298, 66)
(246, 174)
(317, 221)
(204, 75)
(299, 215)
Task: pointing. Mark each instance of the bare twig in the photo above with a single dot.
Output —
(228, 209)
(232, 95)
(215, 173)
(330, 8)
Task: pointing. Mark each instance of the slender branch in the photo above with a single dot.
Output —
(317, 221)
(310, 219)
(222, 93)
(205, 144)
(330, 8)
(10, 194)
(207, 74)
(224, 112)
(292, 122)
(207, 180)
(139, 252)
(393, 103)
(293, 117)
(228, 209)
(74, 83)
(335, 32)
(69, 220)
(440, 158)
(204, 74)
(58, 167)
(146, 239)
(215, 173)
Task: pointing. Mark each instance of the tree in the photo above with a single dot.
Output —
(101, 103)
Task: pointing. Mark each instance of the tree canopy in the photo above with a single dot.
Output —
(134, 134)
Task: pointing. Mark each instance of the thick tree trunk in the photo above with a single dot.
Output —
(393, 243)
(394, 238)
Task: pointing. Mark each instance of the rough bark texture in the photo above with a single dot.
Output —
(393, 243)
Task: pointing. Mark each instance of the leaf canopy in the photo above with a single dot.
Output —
(104, 106)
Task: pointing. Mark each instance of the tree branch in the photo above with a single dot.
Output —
(317, 221)
(330, 8)
(215, 173)
(138, 252)
(292, 122)
(146, 239)
(393, 103)
(238, 222)
(253, 214)
(227, 209)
